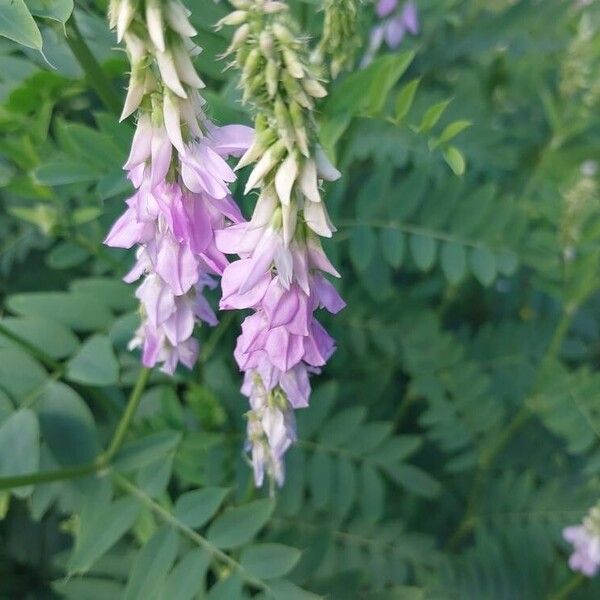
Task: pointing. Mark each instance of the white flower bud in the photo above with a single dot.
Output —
(177, 18)
(264, 166)
(126, 13)
(185, 68)
(172, 117)
(136, 48)
(317, 218)
(282, 33)
(168, 72)
(135, 92)
(324, 167)
(289, 218)
(285, 178)
(154, 23)
(308, 181)
(314, 88)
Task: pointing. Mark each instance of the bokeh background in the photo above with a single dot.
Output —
(456, 430)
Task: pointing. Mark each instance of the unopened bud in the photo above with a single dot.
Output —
(154, 22)
(239, 37)
(282, 33)
(314, 88)
(265, 42)
(237, 17)
(271, 8)
(251, 64)
(177, 18)
(294, 67)
(272, 78)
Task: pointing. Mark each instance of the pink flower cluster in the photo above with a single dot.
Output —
(586, 547)
(173, 225)
(281, 341)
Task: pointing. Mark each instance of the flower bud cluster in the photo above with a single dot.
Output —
(279, 274)
(177, 165)
(340, 39)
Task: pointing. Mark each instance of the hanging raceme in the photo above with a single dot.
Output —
(177, 165)
(280, 271)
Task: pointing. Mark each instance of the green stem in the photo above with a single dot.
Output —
(44, 358)
(121, 431)
(95, 76)
(195, 537)
(103, 460)
(16, 481)
(570, 586)
(216, 335)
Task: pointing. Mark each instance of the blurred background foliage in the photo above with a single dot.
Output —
(456, 430)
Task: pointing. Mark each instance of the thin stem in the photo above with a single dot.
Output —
(570, 586)
(103, 459)
(216, 335)
(121, 431)
(194, 536)
(15, 481)
(95, 76)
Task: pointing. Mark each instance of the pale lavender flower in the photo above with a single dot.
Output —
(585, 539)
(394, 25)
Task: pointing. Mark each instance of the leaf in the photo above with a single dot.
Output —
(362, 247)
(144, 451)
(20, 447)
(286, 590)
(17, 24)
(365, 91)
(454, 261)
(51, 337)
(59, 10)
(405, 98)
(452, 130)
(20, 374)
(66, 255)
(320, 472)
(82, 312)
(187, 578)
(114, 294)
(456, 161)
(237, 526)
(422, 248)
(94, 363)
(432, 115)
(483, 265)
(194, 509)
(67, 425)
(414, 479)
(90, 588)
(63, 171)
(507, 262)
(392, 246)
(98, 534)
(268, 561)
(152, 565)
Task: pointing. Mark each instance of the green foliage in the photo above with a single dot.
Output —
(454, 433)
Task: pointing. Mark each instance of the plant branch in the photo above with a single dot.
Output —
(570, 586)
(192, 535)
(101, 462)
(121, 430)
(95, 76)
